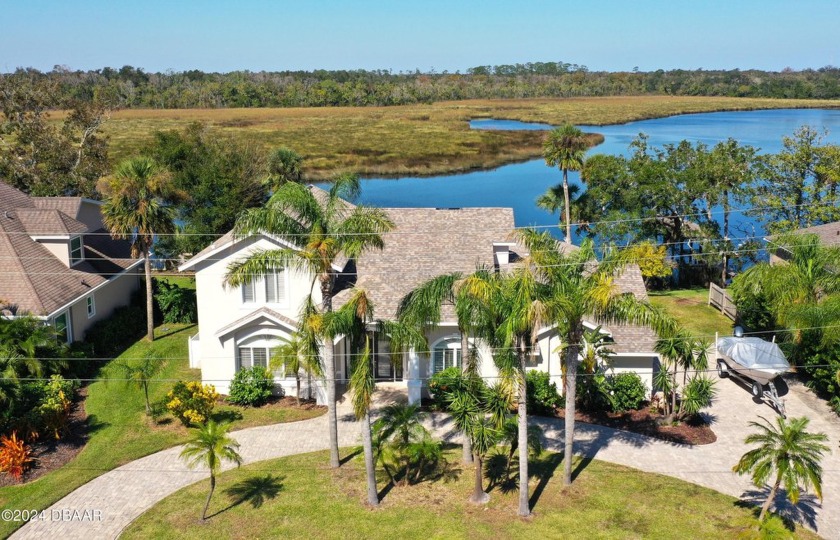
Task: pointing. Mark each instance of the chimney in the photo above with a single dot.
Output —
(501, 252)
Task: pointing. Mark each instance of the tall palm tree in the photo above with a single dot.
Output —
(135, 208)
(790, 452)
(578, 290)
(351, 321)
(421, 308)
(210, 446)
(565, 148)
(516, 310)
(284, 165)
(323, 228)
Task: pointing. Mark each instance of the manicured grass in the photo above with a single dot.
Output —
(691, 309)
(301, 497)
(416, 139)
(120, 430)
(185, 282)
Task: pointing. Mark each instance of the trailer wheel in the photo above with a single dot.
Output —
(757, 390)
(722, 369)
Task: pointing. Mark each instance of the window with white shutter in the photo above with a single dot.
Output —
(248, 293)
(275, 287)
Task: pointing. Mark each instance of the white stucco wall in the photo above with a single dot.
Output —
(219, 306)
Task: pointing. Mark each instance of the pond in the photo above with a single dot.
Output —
(519, 185)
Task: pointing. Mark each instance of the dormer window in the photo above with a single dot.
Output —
(76, 250)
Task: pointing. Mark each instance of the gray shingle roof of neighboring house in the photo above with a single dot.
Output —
(630, 338)
(829, 233)
(34, 280)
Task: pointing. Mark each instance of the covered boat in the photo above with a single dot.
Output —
(752, 358)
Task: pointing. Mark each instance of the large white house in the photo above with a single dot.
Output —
(238, 327)
(58, 262)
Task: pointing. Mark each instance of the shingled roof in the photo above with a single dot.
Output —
(631, 338)
(32, 279)
(425, 243)
(829, 233)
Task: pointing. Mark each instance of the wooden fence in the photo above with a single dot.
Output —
(720, 299)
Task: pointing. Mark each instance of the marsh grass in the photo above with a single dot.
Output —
(417, 139)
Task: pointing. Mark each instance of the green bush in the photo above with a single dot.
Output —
(191, 402)
(593, 392)
(177, 304)
(442, 383)
(628, 392)
(753, 310)
(251, 387)
(541, 396)
(56, 404)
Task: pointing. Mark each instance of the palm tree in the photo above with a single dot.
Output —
(516, 310)
(400, 427)
(421, 308)
(139, 374)
(33, 347)
(210, 446)
(135, 208)
(351, 322)
(798, 289)
(790, 452)
(284, 166)
(324, 228)
(578, 290)
(554, 200)
(565, 148)
(302, 351)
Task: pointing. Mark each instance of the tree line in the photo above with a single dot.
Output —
(133, 87)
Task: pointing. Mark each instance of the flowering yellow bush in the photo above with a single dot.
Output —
(192, 402)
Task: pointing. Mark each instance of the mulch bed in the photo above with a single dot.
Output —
(51, 454)
(290, 402)
(694, 431)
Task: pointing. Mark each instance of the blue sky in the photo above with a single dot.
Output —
(212, 35)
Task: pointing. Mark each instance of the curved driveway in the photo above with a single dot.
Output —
(125, 493)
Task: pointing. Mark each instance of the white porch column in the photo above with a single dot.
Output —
(415, 383)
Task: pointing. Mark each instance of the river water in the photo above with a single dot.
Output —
(519, 185)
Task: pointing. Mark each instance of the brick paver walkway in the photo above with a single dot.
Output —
(125, 493)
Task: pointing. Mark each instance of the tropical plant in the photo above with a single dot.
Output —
(140, 373)
(788, 454)
(15, 456)
(251, 387)
(554, 200)
(209, 446)
(56, 404)
(577, 289)
(542, 395)
(421, 308)
(628, 391)
(351, 321)
(698, 393)
(32, 347)
(299, 354)
(593, 393)
(565, 149)
(192, 402)
(323, 228)
(135, 208)
(284, 165)
(178, 304)
(396, 433)
(652, 260)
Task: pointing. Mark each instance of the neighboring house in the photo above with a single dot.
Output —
(240, 326)
(58, 263)
(828, 233)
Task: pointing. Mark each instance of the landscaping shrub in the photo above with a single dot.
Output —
(753, 310)
(541, 396)
(628, 392)
(442, 383)
(192, 402)
(177, 304)
(15, 456)
(251, 387)
(593, 392)
(56, 404)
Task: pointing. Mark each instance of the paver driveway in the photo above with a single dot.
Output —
(125, 493)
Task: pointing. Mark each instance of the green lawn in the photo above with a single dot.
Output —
(691, 309)
(120, 430)
(299, 496)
